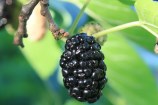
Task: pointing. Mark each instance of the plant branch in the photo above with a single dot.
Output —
(117, 28)
(74, 25)
(25, 13)
(23, 17)
(57, 32)
(3, 21)
(127, 25)
(9, 2)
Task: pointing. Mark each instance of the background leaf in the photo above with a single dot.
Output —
(148, 15)
(42, 55)
(61, 16)
(111, 13)
(129, 2)
(116, 13)
(24, 77)
(19, 84)
(127, 73)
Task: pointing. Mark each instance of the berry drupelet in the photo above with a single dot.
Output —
(83, 68)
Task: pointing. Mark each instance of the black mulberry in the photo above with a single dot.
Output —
(83, 68)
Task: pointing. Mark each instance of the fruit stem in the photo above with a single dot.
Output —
(118, 28)
(74, 25)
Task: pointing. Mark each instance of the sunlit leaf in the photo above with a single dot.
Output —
(42, 55)
(140, 36)
(129, 2)
(128, 74)
(19, 84)
(23, 1)
(146, 10)
(123, 14)
(111, 11)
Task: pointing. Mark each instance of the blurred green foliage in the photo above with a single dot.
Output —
(25, 74)
(19, 84)
(148, 16)
(129, 2)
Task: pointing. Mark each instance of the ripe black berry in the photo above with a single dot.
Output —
(83, 68)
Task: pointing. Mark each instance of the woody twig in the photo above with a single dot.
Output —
(24, 16)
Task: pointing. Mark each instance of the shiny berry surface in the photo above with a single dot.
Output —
(83, 68)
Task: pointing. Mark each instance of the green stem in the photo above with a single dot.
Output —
(117, 28)
(151, 25)
(149, 30)
(74, 25)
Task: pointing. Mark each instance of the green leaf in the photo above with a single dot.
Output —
(61, 17)
(122, 14)
(23, 1)
(74, 102)
(127, 73)
(111, 11)
(19, 84)
(128, 2)
(60, 14)
(42, 55)
(141, 37)
(147, 14)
